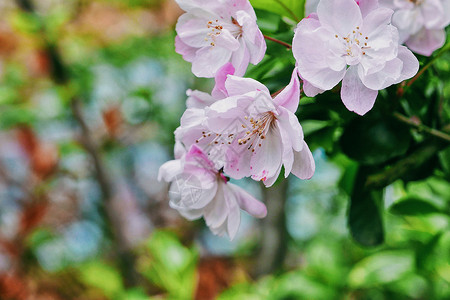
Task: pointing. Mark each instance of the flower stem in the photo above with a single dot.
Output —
(289, 46)
(431, 131)
(443, 50)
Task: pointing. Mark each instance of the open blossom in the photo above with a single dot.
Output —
(421, 23)
(199, 190)
(353, 43)
(193, 130)
(261, 134)
(213, 33)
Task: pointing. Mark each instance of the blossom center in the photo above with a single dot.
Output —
(354, 43)
(216, 27)
(416, 2)
(257, 129)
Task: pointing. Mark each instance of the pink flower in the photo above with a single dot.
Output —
(199, 190)
(355, 44)
(212, 33)
(192, 129)
(261, 133)
(421, 23)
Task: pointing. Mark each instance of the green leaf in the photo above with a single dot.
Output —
(294, 9)
(102, 276)
(172, 266)
(365, 217)
(381, 268)
(413, 207)
(375, 141)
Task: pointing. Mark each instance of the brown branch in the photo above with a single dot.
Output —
(273, 230)
(418, 125)
(288, 46)
(443, 50)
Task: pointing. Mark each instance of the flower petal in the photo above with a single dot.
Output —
(289, 122)
(169, 170)
(290, 96)
(312, 61)
(410, 64)
(186, 51)
(355, 95)
(340, 16)
(266, 161)
(304, 165)
(219, 91)
(248, 203)
(238, 86)
(198, 99)
(240, 59)
(210, 59)
(387, 76)
(425, 42)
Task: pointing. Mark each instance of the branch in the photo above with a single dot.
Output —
(288, 46)
(404, 166)
(273, 230)
(443, 50)
(418, 125)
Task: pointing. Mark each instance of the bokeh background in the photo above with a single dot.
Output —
(90, 94)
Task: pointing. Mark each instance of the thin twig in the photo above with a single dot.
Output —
(431, 131)
(288, 10)
(443, 50)
(289, 46)
(404, 166)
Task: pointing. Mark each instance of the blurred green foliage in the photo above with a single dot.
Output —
(397, 245)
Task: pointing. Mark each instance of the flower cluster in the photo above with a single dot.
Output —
(421, 23)
(242, 130)
(355, 43)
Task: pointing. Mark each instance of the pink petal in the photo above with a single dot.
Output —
(192, 30)
(169, 170)
(210, 59)
(238, 161)
(367, 6)
(312, 61)
(355, 95)
(198, 99)
(387, 76)
(219, 91)
(248, 203)
(239, 86)
(226, 40)
(240, 59)
(425, 42)
(290, 96)
(288, 121)
(311, 90)
(410, 63)
(339, 16)
(266, 161)
(216, 212)
(234, 215)
(304, 165)
(186, 51)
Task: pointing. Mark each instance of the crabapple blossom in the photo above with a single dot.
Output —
(192, 129)
(354, 43)
(199, 190)
(421, 23)
(261, 133)
(212, 33)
